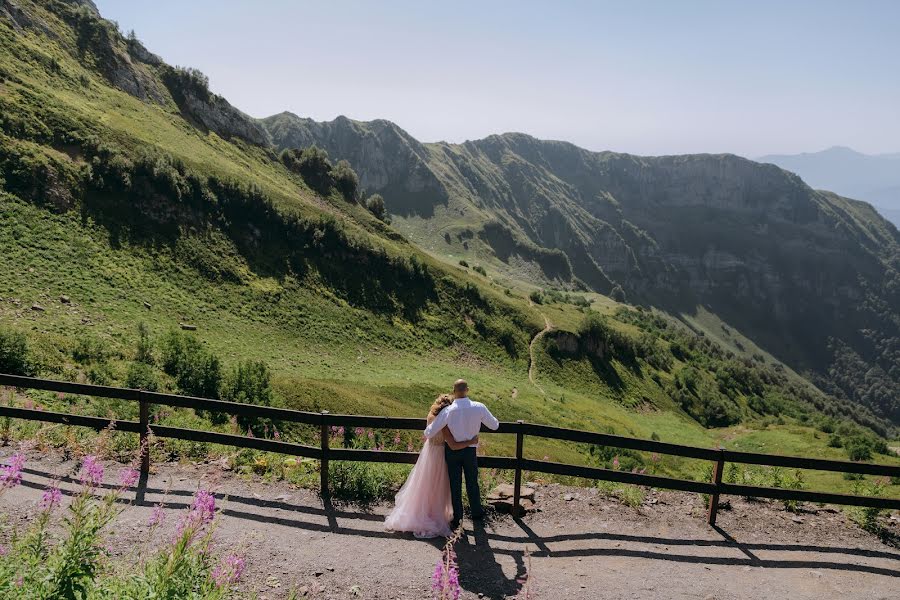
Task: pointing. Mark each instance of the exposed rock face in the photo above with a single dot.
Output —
(795, 268)
(386, 158)
(215, 114)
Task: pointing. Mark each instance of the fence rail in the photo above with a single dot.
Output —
(324, 420)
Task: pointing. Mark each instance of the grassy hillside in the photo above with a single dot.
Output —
(131, 196)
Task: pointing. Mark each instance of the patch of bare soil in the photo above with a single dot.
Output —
(583, 545)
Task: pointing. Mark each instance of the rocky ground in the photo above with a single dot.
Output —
(582, 545)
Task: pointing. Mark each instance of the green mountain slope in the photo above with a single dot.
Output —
(811, 277)
(132, 194)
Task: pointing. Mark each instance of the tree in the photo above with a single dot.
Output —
(346, 180)
(375, 204)
(315, 169)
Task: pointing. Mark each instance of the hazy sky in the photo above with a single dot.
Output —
(750, 77)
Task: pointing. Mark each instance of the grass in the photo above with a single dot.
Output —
(325, 351)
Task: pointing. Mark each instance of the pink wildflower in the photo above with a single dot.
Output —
(229, 571)
(11, 471)
(275, 434)
(50, 498)
(91, 474)
(157, 517)
(615, 463)
(204, 505)
(397, 440)
(28, 403)
(654, 457)
(359, 431)
(128, 477)
(371, 435)
(3, 550)
(409, 447)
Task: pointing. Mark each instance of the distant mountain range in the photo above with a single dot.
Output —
(873, 178)
(808, 274)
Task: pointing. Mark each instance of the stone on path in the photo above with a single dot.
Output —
(37, 307)
(65, 299)
(187, 327)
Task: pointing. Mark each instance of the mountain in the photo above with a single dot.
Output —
(150, 236)
(810, 276)
(873, 178)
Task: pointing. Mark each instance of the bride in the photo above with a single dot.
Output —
(422, 505)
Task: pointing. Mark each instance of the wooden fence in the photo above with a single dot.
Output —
(518, 463)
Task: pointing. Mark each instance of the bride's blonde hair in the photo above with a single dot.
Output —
(442, 402)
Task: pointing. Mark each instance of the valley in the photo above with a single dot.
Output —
(692, 299)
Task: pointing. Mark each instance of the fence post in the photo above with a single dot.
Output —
(323, 463)
(517, 484)
(717, 481)
(144, 425)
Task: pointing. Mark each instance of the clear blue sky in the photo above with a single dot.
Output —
(750, 77)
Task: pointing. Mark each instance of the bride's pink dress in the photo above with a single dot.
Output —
(423, 503)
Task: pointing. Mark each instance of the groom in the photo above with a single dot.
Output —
(464, 419)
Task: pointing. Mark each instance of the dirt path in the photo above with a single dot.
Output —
(583, 548)
(532, 364)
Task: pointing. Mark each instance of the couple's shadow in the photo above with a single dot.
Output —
(479, 571)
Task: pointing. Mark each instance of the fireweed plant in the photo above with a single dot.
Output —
(445, 579)
(77, 563)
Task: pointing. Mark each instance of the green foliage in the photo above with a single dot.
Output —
(248, 382)
(346, 181)
(858, 448)
(144, 351)
(142, 376)
(196, 370)
(375, 205)
(479, 269)
(364, 483)
(867, 517)
(89, 350)
(15, 357)
(464, 264)
(313, 165)
(536, 297)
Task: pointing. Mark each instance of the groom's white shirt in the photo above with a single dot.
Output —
(464, 419)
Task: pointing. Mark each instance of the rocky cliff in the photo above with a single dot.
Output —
(810, 276)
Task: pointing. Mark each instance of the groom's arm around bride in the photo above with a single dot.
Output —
(464, 419)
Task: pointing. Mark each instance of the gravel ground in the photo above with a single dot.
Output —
(582, 544)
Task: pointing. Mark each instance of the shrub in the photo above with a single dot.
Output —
(14, 354)
(144, 352)
(617, 294)
(858, 448)
(480, 269)
(364, 483)
(196, 370)
(314, 167)
(142, 376)
(346, 181)
(89, 350)
(463, 263)
(536, 297)
(375, 205)
(248, 383)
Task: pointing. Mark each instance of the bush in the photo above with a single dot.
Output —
(375, 205)
(142, 376)
(144, 352)
(14, 354)
(89, 350)
(463, 263)
(364, 483)
(248, 383)
(617, 294)
(536, 297)
(312, 165)
(858, 448)
(346, 181)
(480, 269)
(195, 369)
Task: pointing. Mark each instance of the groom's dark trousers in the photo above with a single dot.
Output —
(459, 462)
